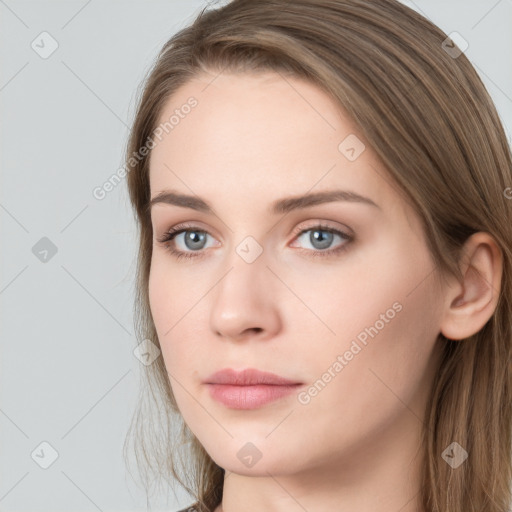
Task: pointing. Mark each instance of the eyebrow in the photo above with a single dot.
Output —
(280, 206)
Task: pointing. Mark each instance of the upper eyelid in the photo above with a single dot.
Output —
(184, 226)
(345, 233)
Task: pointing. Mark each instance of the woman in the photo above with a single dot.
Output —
(322, 190)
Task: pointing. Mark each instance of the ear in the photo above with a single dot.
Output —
(471, 303)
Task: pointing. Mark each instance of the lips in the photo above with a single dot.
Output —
(247, 378)
(248, 389)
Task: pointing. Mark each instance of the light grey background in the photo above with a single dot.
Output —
(68, 374)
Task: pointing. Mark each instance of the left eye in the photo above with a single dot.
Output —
(321, 238)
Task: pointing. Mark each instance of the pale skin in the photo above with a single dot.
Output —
(251, 140)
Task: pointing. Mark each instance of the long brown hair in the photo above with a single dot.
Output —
(424, 110)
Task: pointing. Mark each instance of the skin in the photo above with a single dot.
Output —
(253, 139)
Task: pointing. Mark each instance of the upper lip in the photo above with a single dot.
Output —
(247, 377)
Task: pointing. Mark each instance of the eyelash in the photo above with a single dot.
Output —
(172, 233)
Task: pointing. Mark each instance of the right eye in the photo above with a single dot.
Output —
(194, 238)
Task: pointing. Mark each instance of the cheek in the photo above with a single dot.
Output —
(171, 293)
(340, 299)
(175, 304)
(159, 295)
(164, 300)
(386, 320)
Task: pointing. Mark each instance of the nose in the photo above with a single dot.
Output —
(245, 303)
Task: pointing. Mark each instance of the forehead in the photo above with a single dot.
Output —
(260, 134)
(251, 112)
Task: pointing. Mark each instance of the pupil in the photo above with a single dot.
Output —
(324, 237)
(195, 238)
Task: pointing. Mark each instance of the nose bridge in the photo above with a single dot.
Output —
(245, 278)
(242, 299)
(246, 262)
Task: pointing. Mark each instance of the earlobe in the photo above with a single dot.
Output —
(472, 302)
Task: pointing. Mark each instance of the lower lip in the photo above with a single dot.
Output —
(249, 397)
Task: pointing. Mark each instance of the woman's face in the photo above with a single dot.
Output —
(350, 314)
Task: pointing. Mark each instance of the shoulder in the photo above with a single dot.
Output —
(189, 509)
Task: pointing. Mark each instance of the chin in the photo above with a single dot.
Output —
(254, 458)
